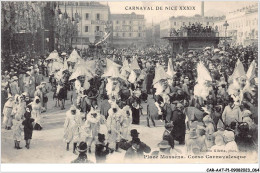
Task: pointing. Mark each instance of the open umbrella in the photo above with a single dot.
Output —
(53, 56)
(85, 68)
(74, 56)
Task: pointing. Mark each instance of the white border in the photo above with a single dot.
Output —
(119, 167)
(128, 167)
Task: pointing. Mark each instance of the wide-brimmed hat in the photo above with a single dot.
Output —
(193, 134)
(134, 132)
(164, 144)
(101, 137)
(14, 78)
(229, 136)
(43, 83)
(82, 147)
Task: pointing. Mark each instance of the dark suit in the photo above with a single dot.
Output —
(178, 120)
(135, 154)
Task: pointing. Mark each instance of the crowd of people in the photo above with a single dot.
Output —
(194, 30)
(207, 99)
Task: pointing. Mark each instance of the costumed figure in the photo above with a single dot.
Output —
(114, 120)
(203, 86)
(126, 121)
(72, 127)
(92, 126)
(36, 113)
(7, 111)
(237, 82)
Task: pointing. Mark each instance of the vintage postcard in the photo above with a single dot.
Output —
(129, 82)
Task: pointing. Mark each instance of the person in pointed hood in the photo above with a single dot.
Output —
(36, 113)
(7, 111)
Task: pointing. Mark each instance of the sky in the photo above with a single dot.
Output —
(212, 8)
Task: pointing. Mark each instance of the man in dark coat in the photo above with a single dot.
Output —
(123, 144)
(137, 150)
(167, 135)
(178, 121)
(101, 150)
(82, 158)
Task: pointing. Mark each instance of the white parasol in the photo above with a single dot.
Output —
(53, 56)
(74, 56)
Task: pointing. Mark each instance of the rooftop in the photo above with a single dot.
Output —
(197, 17)
(127, 16)
(82, 3)
(247, 9)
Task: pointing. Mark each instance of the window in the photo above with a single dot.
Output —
(174, 23)
(97, 28)
(87, 16)
(130, 22)
(139, 34)
(117, 34)
(98, 16)
(86, 40)
(123, 34)
(140, 28)
(123, 22)
(183, 23)
(117, 22)
(207, 23)
(130, 35)
(130, 28)
(86, 28)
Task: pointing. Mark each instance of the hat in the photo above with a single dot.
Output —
(193, 134)
(135, 65)
(219, 140)
(14, 78)
(82, 147)
(247, 113)
(134, 132)
(170, 70)
(63, 53)
(160, 74)
(229, 136)
(243, 127)
(169, 125)
(43, 83)
(101, 137)
(164, 144)
(72, 108)
(239, 70)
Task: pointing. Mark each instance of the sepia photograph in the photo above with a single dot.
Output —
(133, 82)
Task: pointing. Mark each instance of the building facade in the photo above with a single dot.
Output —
(94, 20)
(128, 29)
(242, 25)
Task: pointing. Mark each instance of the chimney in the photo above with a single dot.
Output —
(202, 8)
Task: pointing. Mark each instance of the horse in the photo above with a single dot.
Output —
(152, 111)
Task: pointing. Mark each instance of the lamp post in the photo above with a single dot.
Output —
(225, 25)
